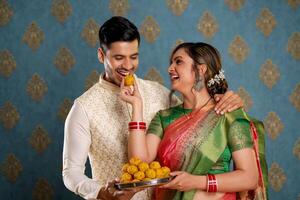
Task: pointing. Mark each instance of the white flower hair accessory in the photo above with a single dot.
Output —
(218, 77)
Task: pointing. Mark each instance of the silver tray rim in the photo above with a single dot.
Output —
(150, 183)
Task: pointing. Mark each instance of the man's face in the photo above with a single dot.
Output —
(120, 59)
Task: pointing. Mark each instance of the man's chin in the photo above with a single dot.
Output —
(114, 80)
(117, 81)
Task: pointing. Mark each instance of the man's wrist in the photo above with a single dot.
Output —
(100, 194)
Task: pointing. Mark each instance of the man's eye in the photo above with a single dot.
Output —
(134, 57)
(118, 58)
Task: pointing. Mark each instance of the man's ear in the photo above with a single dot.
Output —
(101, 55)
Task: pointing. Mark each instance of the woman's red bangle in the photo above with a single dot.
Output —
(212, 183)
(137, 125)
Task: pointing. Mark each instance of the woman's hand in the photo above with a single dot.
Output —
(182, 182)
(130, 94)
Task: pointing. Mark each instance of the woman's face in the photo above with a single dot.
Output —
(181, 72)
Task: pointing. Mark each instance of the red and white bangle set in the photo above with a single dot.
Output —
(137, 126)
(212, 184)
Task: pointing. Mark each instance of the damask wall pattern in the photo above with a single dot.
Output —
(48, 57)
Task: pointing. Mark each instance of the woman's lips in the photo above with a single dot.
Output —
(174, 77)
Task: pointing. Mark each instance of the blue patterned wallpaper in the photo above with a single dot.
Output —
(48, 57)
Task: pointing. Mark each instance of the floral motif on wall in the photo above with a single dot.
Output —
(238, 49)
(92, 79)
(154, 75)
(33, 36)
(293, 46)
(266, 22)
(11, 168)
(296, 149)
(64, 109)
(235, 5)
(294, 3)
(208, 25)
(150, 29)
(248, 102)
(277, 177)
(5, 12)
(64, 60)
(42, 190)
(119, 7)
(90, 33)
(7, 63)
(178, 42)
(273, 125)
(61, 10)
(39, 139)
(9, 115)
(36, 87)
(269, 73)
(295, 97)
(177, 6)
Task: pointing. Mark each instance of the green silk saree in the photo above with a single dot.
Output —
(201, 143)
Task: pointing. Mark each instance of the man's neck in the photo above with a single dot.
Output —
(108, 79)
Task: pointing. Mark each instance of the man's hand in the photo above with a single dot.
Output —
(109, 192)
(228, 102)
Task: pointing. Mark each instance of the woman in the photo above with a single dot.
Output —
(193, 141)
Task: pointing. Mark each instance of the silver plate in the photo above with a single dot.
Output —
(140, 184)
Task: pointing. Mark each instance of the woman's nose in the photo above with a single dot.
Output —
(170, 68)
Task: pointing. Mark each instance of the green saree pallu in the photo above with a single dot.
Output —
(201, 143)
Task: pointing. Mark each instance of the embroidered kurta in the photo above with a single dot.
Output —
(97, 127)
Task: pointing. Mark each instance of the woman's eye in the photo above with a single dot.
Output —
(178, 62)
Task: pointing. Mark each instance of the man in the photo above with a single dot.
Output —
(97, 123)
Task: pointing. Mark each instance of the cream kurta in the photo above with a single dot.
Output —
(97, 126)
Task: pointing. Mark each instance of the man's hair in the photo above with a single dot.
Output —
(117, 29)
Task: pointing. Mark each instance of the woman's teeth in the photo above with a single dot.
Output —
(174, 77)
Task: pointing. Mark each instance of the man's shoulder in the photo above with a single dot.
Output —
(89, 94)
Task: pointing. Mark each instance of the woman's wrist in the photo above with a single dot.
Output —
(137, 103)
(200, 182)
(137, 111)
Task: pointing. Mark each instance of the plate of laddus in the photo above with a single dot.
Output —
(139, 174)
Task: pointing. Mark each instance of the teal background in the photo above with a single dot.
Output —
(68, 34)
